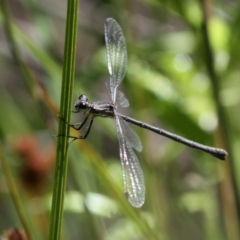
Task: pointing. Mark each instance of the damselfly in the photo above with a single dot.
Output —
(128, 139)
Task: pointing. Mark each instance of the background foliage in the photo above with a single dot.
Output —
(176, 79)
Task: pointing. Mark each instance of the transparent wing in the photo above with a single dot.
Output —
(133, 179)
(130, 135)
(121, 100)
(116, 55)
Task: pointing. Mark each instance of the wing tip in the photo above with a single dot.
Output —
(137, 203)
(109, 20)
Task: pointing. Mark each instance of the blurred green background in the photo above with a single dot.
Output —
(183, 76)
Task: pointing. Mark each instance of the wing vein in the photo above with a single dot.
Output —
(133, 178)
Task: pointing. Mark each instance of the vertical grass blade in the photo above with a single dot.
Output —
(65, 111)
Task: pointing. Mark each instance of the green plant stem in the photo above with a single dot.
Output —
(14, 193)
(65, 111)
(230, 209)
(13, 47)
(30, 81)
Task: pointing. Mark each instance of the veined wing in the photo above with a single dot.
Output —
(121, 100)
(130, 135)
(133, 179)
(116, 55)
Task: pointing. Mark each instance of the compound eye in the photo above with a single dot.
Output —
(83, 98)
(83, 105)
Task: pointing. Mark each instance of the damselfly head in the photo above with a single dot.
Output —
(81, 103)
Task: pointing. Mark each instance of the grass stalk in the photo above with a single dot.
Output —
(65, 111)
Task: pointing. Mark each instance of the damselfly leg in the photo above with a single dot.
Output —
(80, 125)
